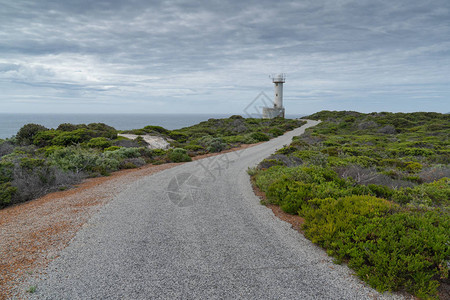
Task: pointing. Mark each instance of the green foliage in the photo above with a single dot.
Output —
(70, 135)
(79, 160)
(159, 152)
(6, 171)
(74, 151)
(30, 164)
(70, 127)
(99, 142)
(179, 155)
(374, 190)
(49, 150)
(178, 136)
(70, 138)
(45, 138)
(427, 194)
(26, 134)
(194, 147)
(123, 153)
(326, 218)
(259, 136)
(6, 193)
(112, 148)
(276, 131)
(387, 248)
(157, 129)
(212, 144)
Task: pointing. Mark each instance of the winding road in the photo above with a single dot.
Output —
(196, 231)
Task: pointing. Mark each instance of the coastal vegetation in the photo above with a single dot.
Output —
(374, 191)
(39, 160)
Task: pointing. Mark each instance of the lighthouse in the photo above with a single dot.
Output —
(277, 110)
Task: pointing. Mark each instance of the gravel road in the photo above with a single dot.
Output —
(196, 231)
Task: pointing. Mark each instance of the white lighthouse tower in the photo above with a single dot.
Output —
(277, 110)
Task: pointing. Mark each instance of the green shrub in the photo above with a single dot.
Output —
(26, 134)
(49, 150)
(179, 155)
(123, 153)
(236, 139)
(70, 127)
(259, 136)
(276, 131)
(193, 147)
(381, 191)
(212, 144)
(248, 139)
(71, 138)
(6, 193)
(403, 250)
(45, 138)
(413, 167)
(104, 165)
(6, 171)
(75, 159)
(131, 163)
(112, 148)
(157, 129)
(159, 152)
(178, 136)
(326, 218)
(99, 142)
(30, 164)
(391, 246)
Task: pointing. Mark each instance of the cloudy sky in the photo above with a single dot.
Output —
(216, 56)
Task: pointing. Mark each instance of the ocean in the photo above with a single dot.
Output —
(11, 123)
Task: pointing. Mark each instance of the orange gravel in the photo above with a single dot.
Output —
(34, 232)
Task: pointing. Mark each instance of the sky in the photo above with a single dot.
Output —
(216, 56)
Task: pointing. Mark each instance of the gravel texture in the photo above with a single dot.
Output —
(196, 231)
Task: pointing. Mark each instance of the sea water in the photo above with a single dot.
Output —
(11, 123)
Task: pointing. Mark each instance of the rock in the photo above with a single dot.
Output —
(154, 142)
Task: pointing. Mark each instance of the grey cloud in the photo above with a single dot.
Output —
(117, 48)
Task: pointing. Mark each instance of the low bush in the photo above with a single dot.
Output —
(387, 248)
(194, 147)
(99, 142)
(212, 144)
(179, 155)
(259, 136)
(79, 160)
(112, 148)
(131, 163)
(157, 129)
(7, 193)
(276, 131)
(6, 147)
(39, 160)
(123, 153)
(374, 190)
